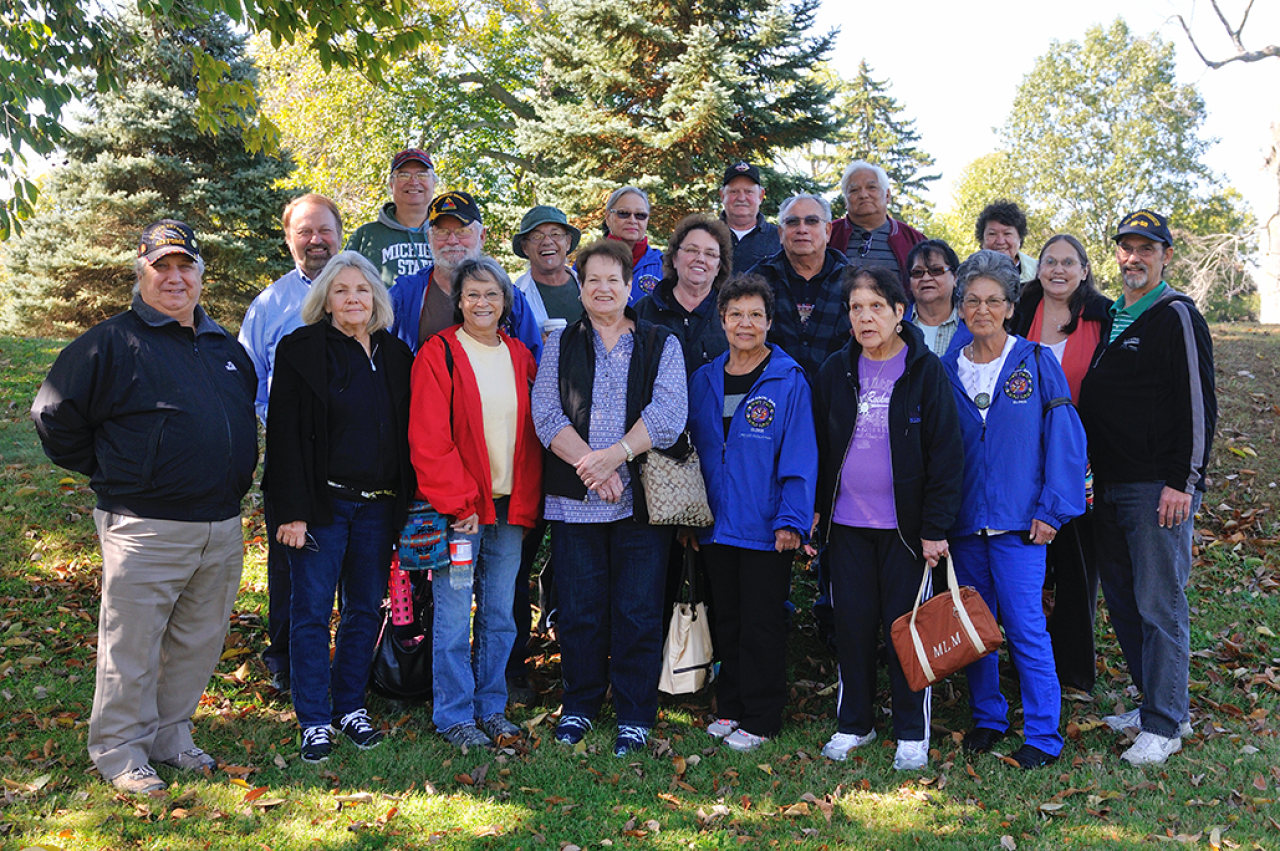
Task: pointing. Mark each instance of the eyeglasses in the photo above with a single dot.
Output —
(692, 253)
(409, 176)
(809, 221)
(476, 298)
(737, 317)
(995, 304)
(866, 246)
(638, 215)
(547, 236)
(1146, 249)
(932, 271)
(1065, 263)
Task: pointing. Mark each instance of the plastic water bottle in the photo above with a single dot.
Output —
(459, 561)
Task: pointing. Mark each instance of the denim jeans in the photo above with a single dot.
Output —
(469, 675)
(351, 556)
(609, 581)
(1009, 574)
(1144, 571)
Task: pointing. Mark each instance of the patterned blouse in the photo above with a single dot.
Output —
(664, 416)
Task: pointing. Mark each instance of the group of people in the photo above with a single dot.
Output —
(849, 386)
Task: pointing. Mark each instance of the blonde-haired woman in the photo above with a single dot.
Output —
(339, 479)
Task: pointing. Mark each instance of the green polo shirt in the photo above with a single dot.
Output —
(1123, 317)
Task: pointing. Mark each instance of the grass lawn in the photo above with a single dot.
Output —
(415, 792)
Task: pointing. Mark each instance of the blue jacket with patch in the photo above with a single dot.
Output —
(761, 477)
(1026, 461)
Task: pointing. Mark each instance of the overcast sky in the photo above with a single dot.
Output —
(955, 66)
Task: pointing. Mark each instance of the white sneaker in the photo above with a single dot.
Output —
(1133, 718)
(721, 727)
(742, 741)
(841, 743)
(911, 755)
(1150, 749)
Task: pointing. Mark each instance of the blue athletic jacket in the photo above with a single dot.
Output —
(771, 440)
(1027, 461)
(406, 303)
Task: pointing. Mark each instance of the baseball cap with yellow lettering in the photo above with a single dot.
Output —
(167, 236)
(1148, 223)
(460, 205)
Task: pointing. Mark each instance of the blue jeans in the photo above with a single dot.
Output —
(1144, 571)
(1009, 574)
(469, 682)
(609, 581)
(351, 556)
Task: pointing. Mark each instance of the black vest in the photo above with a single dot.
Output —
(577, 378)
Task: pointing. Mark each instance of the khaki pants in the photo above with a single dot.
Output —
(167, 591)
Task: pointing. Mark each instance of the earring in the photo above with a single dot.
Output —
(898, 330)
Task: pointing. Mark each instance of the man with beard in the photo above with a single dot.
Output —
(421, 301)
(1149, 408)
(313, 232)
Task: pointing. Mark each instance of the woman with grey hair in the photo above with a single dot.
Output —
(340, 481)
(480, 465)
(626, 218)
(1024, 463)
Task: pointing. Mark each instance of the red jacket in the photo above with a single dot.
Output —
(902, 238)
(449, 453)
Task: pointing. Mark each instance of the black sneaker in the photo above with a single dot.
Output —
(982, 739)
(1030, 756)
(572, 729)
(356, 727)
(316, 743)
(630, 738)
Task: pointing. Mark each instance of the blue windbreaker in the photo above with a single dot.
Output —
(762, 477)
(1024, 462)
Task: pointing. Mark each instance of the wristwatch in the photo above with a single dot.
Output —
(631, 456)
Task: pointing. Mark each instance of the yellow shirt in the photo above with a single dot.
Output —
(496, 378)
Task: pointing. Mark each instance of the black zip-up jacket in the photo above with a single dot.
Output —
(701, 337)
(299, 445)
(1148, 401)
(158, 415)
(925, 446)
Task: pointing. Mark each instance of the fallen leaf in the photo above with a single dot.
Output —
(1007, 842)
(355, 798)
(766, 768)
(488, 830)
(255, 794)
(268, 803)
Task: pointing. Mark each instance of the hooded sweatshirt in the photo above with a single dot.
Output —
(392, 247)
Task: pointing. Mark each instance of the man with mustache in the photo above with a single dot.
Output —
(1149, 408)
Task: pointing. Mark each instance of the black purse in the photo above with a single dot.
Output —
(402, 662)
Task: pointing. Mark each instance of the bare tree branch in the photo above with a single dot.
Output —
(1242, 53)
(500, 94)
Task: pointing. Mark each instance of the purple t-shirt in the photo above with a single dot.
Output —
(865, 498)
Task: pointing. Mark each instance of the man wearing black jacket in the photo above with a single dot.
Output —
(1149, 407)
(155, 405)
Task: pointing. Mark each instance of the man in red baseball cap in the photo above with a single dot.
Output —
(396, 242)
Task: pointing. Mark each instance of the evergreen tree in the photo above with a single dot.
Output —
(139, 156)
(877, 130)
(664, 95)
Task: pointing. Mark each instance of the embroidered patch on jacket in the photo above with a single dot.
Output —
(1019, 387)
(760, 412)
(647, 283)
